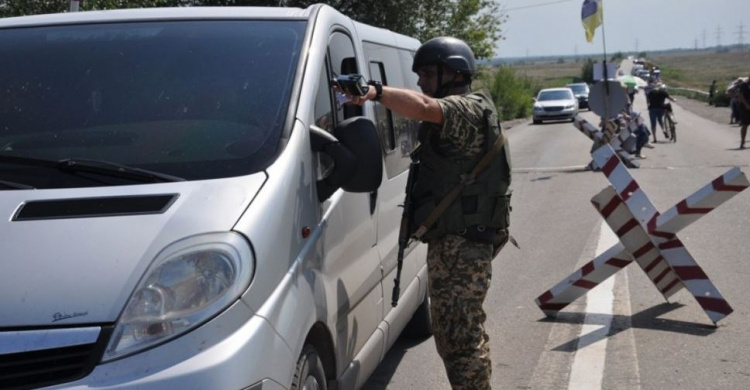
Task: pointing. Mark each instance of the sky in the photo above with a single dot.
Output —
(553, 27)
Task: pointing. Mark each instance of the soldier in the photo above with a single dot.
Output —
(458, 128)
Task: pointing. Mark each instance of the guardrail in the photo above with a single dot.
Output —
(690, 90)
(690, 93)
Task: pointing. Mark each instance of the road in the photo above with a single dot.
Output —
(622, 334)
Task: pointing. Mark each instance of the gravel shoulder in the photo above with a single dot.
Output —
(719, 115)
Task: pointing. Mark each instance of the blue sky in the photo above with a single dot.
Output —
(553, 27)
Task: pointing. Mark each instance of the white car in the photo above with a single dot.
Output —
(555, 104)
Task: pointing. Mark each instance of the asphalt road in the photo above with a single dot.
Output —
(623, 334)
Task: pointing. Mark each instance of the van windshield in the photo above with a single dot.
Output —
(191, 99)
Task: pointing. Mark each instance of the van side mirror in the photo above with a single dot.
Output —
(355, 150)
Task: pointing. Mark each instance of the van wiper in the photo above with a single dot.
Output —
(109, 168)
(100, 167)
(15, 186)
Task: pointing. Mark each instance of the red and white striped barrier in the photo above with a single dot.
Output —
(649, 238)
(609, 136)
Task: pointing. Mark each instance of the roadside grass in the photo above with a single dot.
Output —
(512, 93)
(513, 87)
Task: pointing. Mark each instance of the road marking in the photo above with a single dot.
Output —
(570, 168)
(587, 372)
(553, 370)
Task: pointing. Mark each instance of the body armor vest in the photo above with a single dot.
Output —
(484, 204)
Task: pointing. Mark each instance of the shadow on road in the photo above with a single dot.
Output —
(382, 376)
(647, 319)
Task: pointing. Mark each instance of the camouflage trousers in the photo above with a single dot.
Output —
(460, 272)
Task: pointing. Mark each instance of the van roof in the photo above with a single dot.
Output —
(146, 14)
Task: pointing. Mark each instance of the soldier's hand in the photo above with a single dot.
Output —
(356, 100)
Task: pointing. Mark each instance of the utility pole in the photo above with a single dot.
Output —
(741, 35)
(718, 36)
(696, 44)
(74, 5)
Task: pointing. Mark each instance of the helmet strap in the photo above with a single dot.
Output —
(443, 89)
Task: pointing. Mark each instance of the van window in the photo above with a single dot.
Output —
(383, 115)
(193, 99)
(323, 108)
(398, 133)
(323, 112)
(343, 61)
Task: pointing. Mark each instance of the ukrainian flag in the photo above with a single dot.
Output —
(592, 16)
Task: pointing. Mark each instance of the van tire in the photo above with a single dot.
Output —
(420, 325)
(309, 373)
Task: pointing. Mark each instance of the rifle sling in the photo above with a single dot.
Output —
(456, 191)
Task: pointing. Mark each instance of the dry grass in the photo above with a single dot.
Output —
(550, 75)
(681, 69)
(698, 69)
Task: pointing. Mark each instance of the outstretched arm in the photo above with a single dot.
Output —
(409, 103)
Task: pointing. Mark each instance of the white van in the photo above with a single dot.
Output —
(188, 206)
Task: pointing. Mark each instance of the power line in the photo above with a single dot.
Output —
(538, 5)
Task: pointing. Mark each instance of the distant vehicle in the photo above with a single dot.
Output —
(636, 67)
(555, 104)
(581, 92)
(643, 73)
(639, 61)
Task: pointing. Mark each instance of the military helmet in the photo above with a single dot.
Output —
(450, 52)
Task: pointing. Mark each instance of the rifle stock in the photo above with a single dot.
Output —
(405, 233)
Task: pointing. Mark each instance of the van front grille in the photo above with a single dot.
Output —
(34, 369)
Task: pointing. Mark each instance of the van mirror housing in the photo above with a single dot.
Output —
(355, 151)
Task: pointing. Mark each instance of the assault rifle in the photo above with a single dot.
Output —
(405, 233)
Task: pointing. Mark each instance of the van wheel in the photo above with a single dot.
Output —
(420, 325)
(309, 374)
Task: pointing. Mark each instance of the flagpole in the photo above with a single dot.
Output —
(606, 76)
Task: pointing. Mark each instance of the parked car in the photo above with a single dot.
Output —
(581, 92)
(187, 205)
(554, 103)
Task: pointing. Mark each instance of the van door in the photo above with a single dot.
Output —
(398, 137)
(351, 259)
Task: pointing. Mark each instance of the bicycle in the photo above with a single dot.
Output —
(669, 122)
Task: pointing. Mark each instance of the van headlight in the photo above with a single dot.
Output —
(188, 283)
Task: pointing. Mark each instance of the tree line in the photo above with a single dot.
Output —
(478, 22)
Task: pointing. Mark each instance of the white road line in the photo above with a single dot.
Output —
(587, 372)
(569, 168)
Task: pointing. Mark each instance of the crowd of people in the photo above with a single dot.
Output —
(657, 100)
(658, 103)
